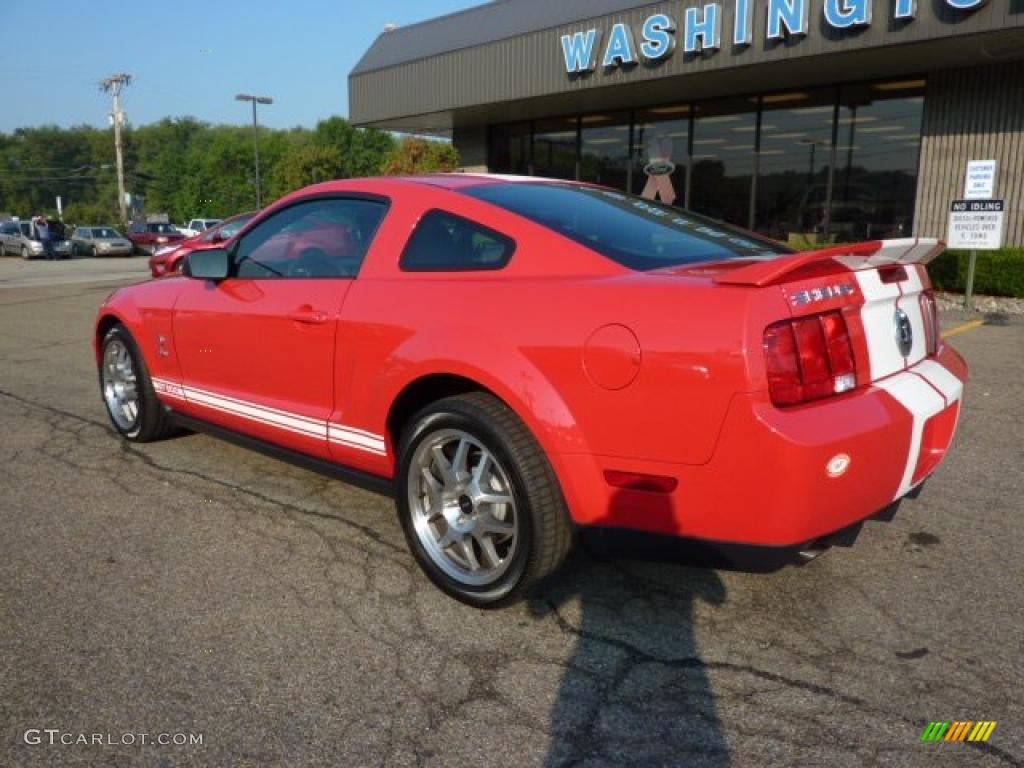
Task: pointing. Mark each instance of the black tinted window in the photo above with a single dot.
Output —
(633, 231)
(320, 238)
(444, 242)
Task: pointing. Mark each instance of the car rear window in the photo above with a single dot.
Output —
(638, 233)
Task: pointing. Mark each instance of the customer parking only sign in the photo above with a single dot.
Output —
(976, 225)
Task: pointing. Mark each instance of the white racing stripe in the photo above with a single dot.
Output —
(353, 438)
(168, 388)
(922, 401)
(877, 318)
(910, 302)
(942, 379)
(257, 414)
(350, 437)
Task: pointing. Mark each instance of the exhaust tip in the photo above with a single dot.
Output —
(811, 552)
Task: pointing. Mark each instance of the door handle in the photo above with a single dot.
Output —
(306, 314)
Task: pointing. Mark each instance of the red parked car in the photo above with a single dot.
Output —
(514, 357)
(149, 236)
(168, 260)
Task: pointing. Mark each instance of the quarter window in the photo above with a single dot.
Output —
(444, 242)
(322, 238)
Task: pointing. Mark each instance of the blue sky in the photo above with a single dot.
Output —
(300, 52)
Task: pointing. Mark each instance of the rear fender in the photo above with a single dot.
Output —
(510, 376)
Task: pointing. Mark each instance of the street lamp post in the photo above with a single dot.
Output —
(255, 137)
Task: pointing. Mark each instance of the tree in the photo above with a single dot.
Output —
(363, 151)
(414, 155)
(183, 167)
(307, 165)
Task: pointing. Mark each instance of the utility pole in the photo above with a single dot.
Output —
(255, 137)
(113, 85)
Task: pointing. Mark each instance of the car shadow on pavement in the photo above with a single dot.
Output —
(635, 690)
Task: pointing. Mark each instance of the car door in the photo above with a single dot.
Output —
(6, 232)
(256, 350)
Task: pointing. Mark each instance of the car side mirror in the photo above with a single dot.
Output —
(208, 264)
(216, 237)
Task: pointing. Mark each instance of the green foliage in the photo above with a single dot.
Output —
(92, 213)
(181, 166)
(998, 273)
(414, 155)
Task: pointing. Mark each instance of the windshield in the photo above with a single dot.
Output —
(163, 229)
(105, 232)
(227, 230)
(635, 232)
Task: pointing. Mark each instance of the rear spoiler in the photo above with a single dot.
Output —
(846, 258)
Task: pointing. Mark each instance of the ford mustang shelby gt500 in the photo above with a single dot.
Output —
(515, 356)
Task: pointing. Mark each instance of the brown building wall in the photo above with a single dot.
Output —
(972, 114)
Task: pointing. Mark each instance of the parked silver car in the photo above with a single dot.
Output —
(21, 238)
(100, 241)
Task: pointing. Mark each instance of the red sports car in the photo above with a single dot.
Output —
(148, 237)
(515, 357)
(168, 260)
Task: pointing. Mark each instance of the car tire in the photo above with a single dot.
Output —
(148, 421)
(522, 550)
(93, 252)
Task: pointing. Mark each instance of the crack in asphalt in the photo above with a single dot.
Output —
(379, 626)
(694, 662)
(131, 450)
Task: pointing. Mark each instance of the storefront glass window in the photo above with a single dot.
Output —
(554, 148)
(661, 154)
(793, 165)
(878, 145)
(510, 148)
(831, 164)
(604, 149)
(723, 160)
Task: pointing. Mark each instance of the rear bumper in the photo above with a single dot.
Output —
(787, 477)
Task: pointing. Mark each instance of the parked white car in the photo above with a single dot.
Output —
(198, 226)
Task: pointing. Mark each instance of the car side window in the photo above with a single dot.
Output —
(320, 238)
(444, 242)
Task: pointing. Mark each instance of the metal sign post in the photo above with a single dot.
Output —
(977, 225)
(976, 222)
(972, 264)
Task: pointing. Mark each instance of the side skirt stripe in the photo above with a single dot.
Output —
(349, 437)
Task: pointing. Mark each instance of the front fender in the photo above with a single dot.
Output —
(147, 311)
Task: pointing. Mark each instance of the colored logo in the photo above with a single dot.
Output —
(838, 465)
(959, 730)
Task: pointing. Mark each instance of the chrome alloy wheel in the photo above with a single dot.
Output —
(462, 506)
(120, 388)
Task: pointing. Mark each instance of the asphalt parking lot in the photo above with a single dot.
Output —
(191, 586)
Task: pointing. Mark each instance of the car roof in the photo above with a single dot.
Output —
(388, 185)
(464, 180)
(452, 181)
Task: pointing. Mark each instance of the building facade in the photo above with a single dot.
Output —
(810, 121)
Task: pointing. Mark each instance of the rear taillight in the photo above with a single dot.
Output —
(809, 358)
(930, 316)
